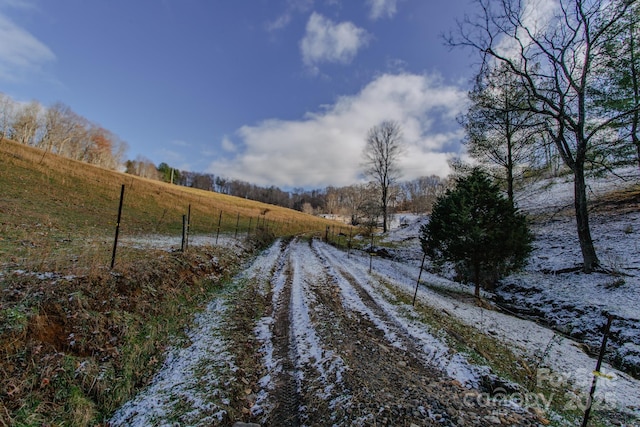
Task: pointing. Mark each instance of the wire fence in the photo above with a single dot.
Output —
(142, 220)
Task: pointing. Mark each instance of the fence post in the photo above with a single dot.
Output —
(184, 233)
(415, 294)
(188, 226)
(115, 241)
(219, 222)
(249, 228)
(603, 347)
(237, 225)
(371, 254)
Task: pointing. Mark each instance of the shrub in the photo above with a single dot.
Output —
(478, 230)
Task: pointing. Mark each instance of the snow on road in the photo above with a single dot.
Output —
(337, 348)
(348, 347)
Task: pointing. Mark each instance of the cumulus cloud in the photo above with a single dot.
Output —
(327, 41)
(20, 51)
(325, 148)
(381, 8)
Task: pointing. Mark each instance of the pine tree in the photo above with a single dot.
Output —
(478, 230)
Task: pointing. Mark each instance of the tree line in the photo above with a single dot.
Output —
(58, 129)
(356, 203)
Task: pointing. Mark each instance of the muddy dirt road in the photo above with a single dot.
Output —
(333, 346)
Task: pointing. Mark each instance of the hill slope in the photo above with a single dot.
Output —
(53, 209)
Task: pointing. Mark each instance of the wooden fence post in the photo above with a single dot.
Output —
(188, 226)
(183, 245)
(371, 254)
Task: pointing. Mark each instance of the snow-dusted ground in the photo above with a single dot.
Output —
(191, 387)
(566, 360)
(194, 377)
(574, 303)
(172, 243)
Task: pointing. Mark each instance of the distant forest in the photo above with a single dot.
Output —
(353, 202)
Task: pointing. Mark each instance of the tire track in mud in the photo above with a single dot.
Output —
(338, 358)
(284, 395)
(286, 412)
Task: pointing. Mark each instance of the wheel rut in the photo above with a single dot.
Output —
(344, 360)
(286, 396)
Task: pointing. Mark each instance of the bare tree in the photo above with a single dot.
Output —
(501, 131)
(7, 105)
(382, 152)
(421, 193)
(553, 55)
(62, 126)
(26, 123)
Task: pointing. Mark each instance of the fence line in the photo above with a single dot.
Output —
(242, 226)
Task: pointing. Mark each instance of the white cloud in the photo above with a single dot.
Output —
(20, 51)
(280, 22)
(175, 159)
(382, 8)
(325, 148)
(228, 145)
(293, 7)
(17, 4)
(180, 143)
(537, 16)
(327, 41)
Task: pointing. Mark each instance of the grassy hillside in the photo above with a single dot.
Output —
(56, 212)
(77, 339)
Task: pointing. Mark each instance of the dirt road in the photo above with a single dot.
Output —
(341, 356)
(334, 347)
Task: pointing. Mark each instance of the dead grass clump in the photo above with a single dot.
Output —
(74, 349)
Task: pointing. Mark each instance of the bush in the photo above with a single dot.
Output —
(477, 229)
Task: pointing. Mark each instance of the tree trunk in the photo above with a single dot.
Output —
(509, 172)
(590, 259)
(638, 153)
(384, 208)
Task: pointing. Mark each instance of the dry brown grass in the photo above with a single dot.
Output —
(59, 213)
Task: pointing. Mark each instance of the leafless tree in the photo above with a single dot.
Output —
(553, 55)
(7, 106)
(501, 131)
(381, 154)
(26, 125)
(421, 193)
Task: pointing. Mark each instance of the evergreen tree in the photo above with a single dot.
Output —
(477, 229)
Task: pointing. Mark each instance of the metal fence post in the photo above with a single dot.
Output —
(115, 241)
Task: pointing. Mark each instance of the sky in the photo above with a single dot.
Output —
(274, 92)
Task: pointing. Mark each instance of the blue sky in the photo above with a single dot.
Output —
(275, 92)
